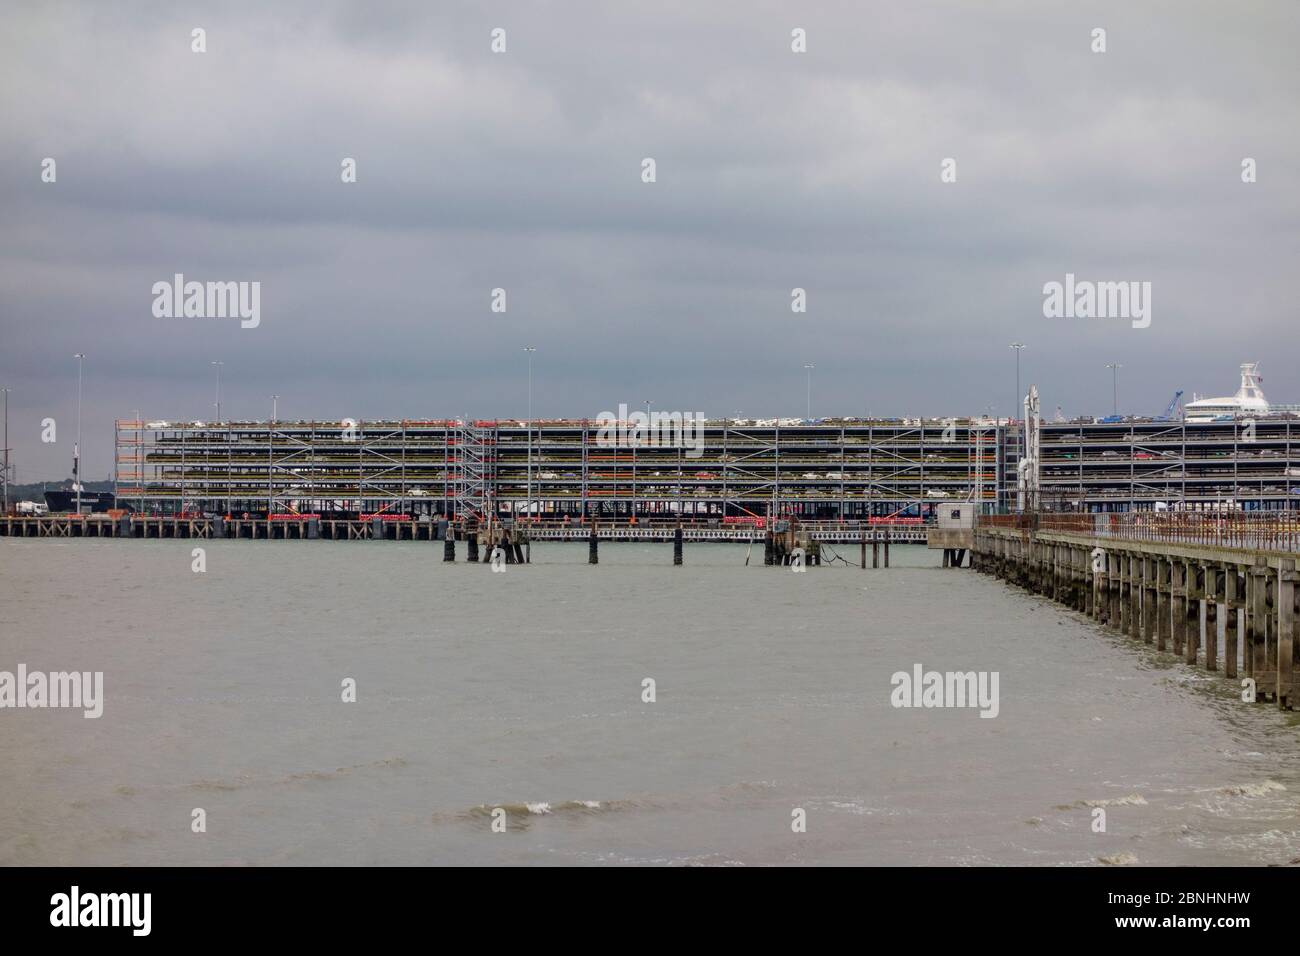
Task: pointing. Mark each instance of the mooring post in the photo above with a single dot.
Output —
(886, 545)
(875, 549)
(593, 554)
(471, 542)
(862, 551)
(677, 544)
(1284, 599)
(448, 545)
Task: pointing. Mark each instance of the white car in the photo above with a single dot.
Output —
(811, 474)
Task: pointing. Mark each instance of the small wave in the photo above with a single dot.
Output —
(545, 808)
(1132, 800)
(1251, 789)
(1118, 859)
(520, 815)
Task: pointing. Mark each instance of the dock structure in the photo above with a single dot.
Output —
(1174, 581)
(736, 472)
(828, 469)
(412, 528)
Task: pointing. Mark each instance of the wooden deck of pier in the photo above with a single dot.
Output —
(1170, 580)
(374, 529)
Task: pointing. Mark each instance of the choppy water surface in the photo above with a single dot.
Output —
(523, 690)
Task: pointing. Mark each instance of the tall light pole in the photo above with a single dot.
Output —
(218, 365)
(275, 409)
(76, 449)
(1114, 386)
(5, 392)
(529, 350)
(809, 370)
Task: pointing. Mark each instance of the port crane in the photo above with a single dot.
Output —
(1169, 409)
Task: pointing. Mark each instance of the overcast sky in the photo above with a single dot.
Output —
(522, 170)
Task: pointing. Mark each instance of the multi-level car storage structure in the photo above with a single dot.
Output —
(847, 469)
(830, 470)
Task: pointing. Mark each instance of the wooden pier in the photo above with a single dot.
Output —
(383, 529)
(1173, 581)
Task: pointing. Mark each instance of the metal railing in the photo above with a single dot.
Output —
(1274, 531)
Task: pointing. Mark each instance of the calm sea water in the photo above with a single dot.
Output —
(523, 690)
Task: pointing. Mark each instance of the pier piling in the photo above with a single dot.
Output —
(1172, 593)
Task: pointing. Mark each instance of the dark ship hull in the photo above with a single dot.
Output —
(64, 499)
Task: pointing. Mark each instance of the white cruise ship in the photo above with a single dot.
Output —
(1248, 401)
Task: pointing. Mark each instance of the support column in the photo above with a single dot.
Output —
(1101, 590)
(1193, 642)
(1284, 598)
(1163, 595)
(1231, 604)
(1213, 597)
(1115, 563)
(1088, 583)
(1256, 624)
(1148, 599)
(1134, 597)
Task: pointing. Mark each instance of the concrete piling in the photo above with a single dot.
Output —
(1256, 618)
(1236, 602)
(1213, 599)
(1286, 631)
